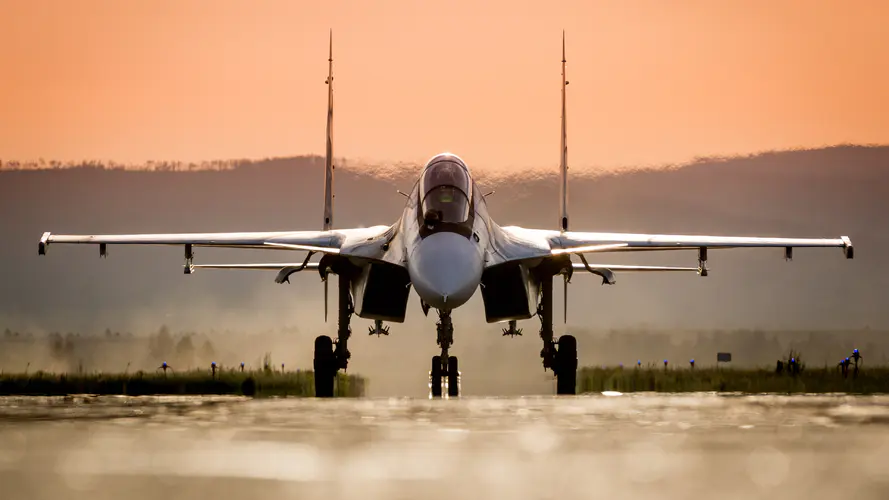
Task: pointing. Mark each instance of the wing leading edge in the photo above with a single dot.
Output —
(541, 242)
(317, 239)
(571, 240)
(358, 242)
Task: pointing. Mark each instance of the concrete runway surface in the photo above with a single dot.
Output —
(691, 446)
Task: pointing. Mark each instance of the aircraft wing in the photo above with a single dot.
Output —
(518, 243)
(358, 242)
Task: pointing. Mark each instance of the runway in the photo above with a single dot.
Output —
(689, 446)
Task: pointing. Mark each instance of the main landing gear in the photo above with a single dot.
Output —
(444, 367)
(332, 356)
(561, 355)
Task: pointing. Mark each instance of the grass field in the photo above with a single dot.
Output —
(249, 383)
(810, 380)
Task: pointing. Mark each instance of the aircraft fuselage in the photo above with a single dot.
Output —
(446, 231)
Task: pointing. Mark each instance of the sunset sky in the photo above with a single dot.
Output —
(651, 81)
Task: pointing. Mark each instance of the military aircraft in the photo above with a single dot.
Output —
(445, 246)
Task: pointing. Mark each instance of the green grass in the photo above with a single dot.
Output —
(298, 383)
(811, 380)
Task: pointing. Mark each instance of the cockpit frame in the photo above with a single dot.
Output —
(445, 200)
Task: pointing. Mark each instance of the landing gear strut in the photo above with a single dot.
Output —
(445, 366)
(560, 356)
(332, 356)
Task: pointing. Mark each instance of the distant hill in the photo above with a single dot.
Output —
(811, 193)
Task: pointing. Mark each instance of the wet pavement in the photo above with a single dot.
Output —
(599, 446)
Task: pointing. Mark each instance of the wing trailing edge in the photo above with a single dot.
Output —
(606, 271)
(623, 268)
(284, 269)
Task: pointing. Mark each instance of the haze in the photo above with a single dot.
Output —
(651, 82)
(826, 192)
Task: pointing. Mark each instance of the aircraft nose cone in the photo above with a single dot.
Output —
(445, 269)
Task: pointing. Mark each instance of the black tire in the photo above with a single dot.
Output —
(248, 387)
(325, 367)
(566, 366)
(436, 376)
(453, 378)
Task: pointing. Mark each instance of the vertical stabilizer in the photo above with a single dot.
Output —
(563, 155)
(328, 161)
(563, 174)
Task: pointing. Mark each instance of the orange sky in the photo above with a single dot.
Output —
(651, 81)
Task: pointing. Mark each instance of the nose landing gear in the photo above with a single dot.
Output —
(444, 367)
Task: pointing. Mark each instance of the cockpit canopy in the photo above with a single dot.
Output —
(446, 190)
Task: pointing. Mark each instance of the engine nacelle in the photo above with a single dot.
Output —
(380, 291)
(509, 291)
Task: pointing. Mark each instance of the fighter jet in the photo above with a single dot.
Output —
(445, 246)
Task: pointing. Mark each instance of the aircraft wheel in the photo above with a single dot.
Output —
(325, 367)
(566, 365)
(453, 378)
(436, 376)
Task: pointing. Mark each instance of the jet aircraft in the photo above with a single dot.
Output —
(445, 246)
